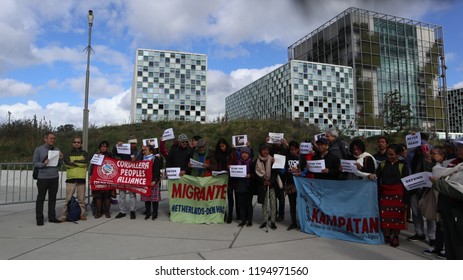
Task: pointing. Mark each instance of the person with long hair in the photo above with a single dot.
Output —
(222, 158)
(152, 201)
(393, 197)
(100, 195)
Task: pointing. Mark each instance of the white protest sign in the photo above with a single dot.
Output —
(168, 134)
(418, 180)
(316, 166)
(279, 162)
(53, 158)
(238, 171)
(293, 164)
(239, 140)
(151, 141)
(318, 136)
(349, 166)
(215, 173)
(275, 138)
(123, 149)
(305, 148)
(97, 159)
(173, 172)
(413, 140)
(195, 163)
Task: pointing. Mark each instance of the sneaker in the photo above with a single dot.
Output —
(132, 215)
(441, 255)
(54, 220)
(147, 216)
(416, 237)
(120, 215)
(273, 226)
(430, 252)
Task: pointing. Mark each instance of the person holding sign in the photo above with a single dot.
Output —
(199, 155)
(222, 158)
(365, 162)
(393, 197)
(152, 201)
(243, 188)
(332, 163)
(294, 164)
(180, 154)
(47, 178)
(100, 195)
(266, 185)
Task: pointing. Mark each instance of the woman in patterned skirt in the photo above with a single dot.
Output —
(152, 201)
(393, 196)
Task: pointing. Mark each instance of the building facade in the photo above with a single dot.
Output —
(321, 94)
(455, 101)
(169, 85)
(387, 53)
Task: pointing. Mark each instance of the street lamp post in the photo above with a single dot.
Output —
(87, 77)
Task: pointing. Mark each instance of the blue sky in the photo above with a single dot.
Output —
(43, 62)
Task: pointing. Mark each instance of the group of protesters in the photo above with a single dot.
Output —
(388, 166)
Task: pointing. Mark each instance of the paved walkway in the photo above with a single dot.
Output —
(125, 239)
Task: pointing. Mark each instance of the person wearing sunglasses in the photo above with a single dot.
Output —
(76, 162)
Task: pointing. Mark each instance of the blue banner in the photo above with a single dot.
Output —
(346, 210)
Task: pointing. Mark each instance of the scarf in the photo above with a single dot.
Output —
(148, 157)
(247, 163)
(360, 160)
(264, 167)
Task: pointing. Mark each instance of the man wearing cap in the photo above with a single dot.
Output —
(123, 211)
(332, 163)
(179, 155)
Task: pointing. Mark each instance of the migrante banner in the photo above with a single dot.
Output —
(198, 200)
(346, 210)
(134, 176)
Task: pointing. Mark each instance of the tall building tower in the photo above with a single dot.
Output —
(318, 93)
(387, 53)
(169, 85)
(455, 101)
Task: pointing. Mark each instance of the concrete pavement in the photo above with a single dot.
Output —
(139, 239)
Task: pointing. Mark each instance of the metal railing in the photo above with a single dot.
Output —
(18, 186)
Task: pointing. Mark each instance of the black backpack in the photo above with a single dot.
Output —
(73, 210)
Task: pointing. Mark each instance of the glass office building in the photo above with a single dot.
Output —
(169, 85)
(387, 53)
(455, 101)
(318, 93)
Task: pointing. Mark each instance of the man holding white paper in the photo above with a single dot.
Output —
(47, 178)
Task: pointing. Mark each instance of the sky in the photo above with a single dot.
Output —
(43, 59)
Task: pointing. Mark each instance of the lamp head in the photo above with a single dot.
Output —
(90, 17)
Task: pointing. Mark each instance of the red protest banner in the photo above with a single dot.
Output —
(122, 174)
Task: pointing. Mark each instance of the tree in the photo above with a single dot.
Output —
(398, 116)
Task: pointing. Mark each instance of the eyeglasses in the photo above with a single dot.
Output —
(76, 142)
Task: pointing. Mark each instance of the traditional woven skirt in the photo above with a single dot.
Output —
(155, 194)
(391, 206)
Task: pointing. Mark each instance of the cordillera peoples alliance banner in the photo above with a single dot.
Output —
(124, 175)
(346, 210)
(198, 200)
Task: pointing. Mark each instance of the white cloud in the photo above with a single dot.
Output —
(104, 111)
(10, 87)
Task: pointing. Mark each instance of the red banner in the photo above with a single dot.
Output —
(133, 176)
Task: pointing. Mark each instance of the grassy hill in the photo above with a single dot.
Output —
(19, 139)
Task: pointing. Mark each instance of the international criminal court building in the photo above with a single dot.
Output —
(384, 53)
(169, 85)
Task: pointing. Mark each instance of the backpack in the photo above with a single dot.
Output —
(73, 210)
